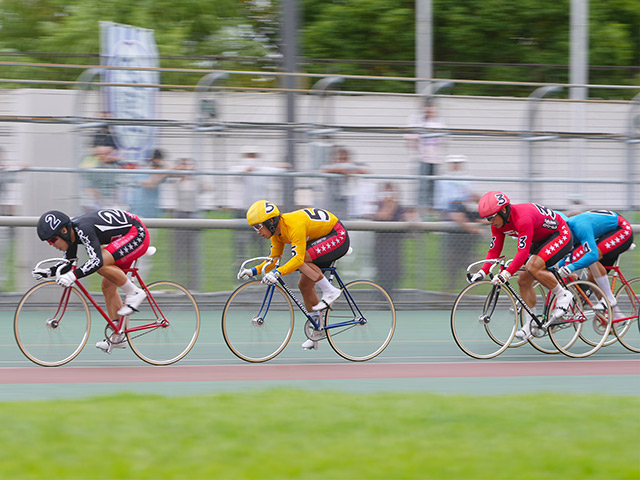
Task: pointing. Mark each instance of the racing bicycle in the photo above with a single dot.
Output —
(52, 323)
(258, 319)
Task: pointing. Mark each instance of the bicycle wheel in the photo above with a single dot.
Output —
(361, 322)
(52, 324)
(627, 329)
(484, 320)
(166, 326)
(541, 343)
(257, 321)
(582, 330)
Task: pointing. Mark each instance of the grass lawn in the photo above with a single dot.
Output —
(284, 433)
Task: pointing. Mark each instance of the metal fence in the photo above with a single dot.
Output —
(564, 153)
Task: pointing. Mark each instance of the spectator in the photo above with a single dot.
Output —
(342, 193)
(458, 204)
(187, 193)
(426, 146)
(388, 256)
(247, 190)
(100, 189)
(103, 136)
(10, 199)
(148, 205)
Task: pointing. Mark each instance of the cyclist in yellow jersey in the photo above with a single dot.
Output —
(317, 238)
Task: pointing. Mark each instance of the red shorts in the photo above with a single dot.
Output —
(129, 247)
(553, 248)
(325, 250)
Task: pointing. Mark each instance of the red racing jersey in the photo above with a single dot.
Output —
(530, 223)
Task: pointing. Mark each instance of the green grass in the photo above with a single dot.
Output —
(277, 434)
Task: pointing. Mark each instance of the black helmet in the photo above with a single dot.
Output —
(51, 224)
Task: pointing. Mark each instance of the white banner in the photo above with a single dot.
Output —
(127, 46)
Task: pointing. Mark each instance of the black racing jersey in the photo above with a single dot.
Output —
(99, 228)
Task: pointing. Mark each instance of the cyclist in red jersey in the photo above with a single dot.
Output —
(543, 240)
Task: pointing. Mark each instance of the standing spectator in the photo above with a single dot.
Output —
(10, 199)
(458, 204)
(101, 190)
(387, 251)
(148, 204)
(426, 146)
(247, 190)
(187, 193)
(341, 192)
(103, 136)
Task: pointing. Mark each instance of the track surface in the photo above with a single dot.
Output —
(421, 357)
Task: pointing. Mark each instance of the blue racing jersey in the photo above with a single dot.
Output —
(585, 229)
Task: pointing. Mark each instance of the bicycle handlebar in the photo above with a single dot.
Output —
(269, 261)
(494, 261)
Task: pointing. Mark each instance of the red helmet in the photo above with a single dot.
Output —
(492, 202)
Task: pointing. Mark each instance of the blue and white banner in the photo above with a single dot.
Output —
(127, 46)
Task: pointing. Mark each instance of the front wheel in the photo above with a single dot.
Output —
(361, 322)
(257, 321)
(484, 320)
(166, 326)
(52, 324)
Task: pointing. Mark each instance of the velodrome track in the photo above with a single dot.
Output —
(422, 357)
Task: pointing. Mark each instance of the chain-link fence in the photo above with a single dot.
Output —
(223, 147)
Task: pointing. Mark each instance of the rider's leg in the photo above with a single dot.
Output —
(538, 270)
(114, 277)
(309, 275)
(525, 283)
(599, 274)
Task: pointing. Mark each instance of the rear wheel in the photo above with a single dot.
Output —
(365, 320)
(167, 325)
(627, 329)
(583, 329)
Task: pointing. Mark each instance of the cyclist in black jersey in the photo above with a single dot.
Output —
(112, 238)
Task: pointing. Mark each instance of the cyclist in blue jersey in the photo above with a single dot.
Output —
(600, 237)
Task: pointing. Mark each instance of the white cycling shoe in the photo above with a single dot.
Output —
(562, 304)
(524, 333)
(327, 300)
(132, 302)
(116, 340)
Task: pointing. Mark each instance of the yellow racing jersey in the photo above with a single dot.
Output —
(297, 228)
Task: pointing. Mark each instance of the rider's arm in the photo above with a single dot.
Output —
(277, 247)
(525, 239)
(590, 255)
(298, 250)
(497, 243)
(94, 252)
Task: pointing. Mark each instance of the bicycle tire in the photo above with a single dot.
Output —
(252, 334)
(177, 317)
(628, 332)
(576, 334)
(374, 313)
(481, 301)
(46, 334)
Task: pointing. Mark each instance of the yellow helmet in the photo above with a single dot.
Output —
(264, 212)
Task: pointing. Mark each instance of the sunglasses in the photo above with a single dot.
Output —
(52, 240)
(257, 227)
(491, 217)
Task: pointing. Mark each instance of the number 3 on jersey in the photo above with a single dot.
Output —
(522, 242)
(317, 214)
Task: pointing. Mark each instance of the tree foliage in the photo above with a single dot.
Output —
(366, 37)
